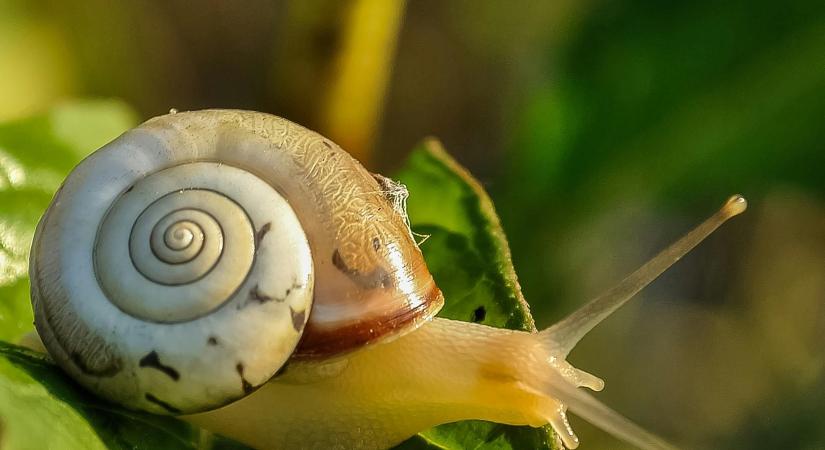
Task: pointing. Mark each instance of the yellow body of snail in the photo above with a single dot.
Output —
(235, 260)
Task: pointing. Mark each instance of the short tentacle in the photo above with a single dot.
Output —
(565, 395)
(557, 418)
(588, 380)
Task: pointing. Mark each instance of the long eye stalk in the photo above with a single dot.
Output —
(569, 331)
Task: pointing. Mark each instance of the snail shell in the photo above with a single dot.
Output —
(181, 265)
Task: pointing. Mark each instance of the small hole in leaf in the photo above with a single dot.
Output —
(479, 314)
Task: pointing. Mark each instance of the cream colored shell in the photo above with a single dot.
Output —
(179, 266)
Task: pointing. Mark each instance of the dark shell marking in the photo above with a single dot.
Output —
(294, 286)
(246, 385)
(152, 360)
(259, 236)
(212, 340)
(377, 278)
(298, 319)
(162, 404)
(256, 295)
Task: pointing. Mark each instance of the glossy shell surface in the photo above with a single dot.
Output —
(181, 265)
(370, 277)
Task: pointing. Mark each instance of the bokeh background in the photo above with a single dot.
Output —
(602, 129)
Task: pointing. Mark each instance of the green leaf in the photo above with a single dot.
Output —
(34, 392)
(35, 155)
(468, 255)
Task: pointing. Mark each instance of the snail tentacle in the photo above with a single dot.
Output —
(567, 333)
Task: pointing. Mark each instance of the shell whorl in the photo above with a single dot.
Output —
(169, 283)
(180, 265)
(190, 249)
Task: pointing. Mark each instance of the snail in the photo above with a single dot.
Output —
(181, 268)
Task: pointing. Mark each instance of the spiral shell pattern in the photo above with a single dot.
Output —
(199, 286)
(190, 249)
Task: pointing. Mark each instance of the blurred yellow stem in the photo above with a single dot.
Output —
(356, 93)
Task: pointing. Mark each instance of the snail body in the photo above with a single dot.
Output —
(180, 267)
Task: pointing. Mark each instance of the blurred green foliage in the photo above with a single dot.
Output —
(673, 104)
(666, 107)
(36, 153)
